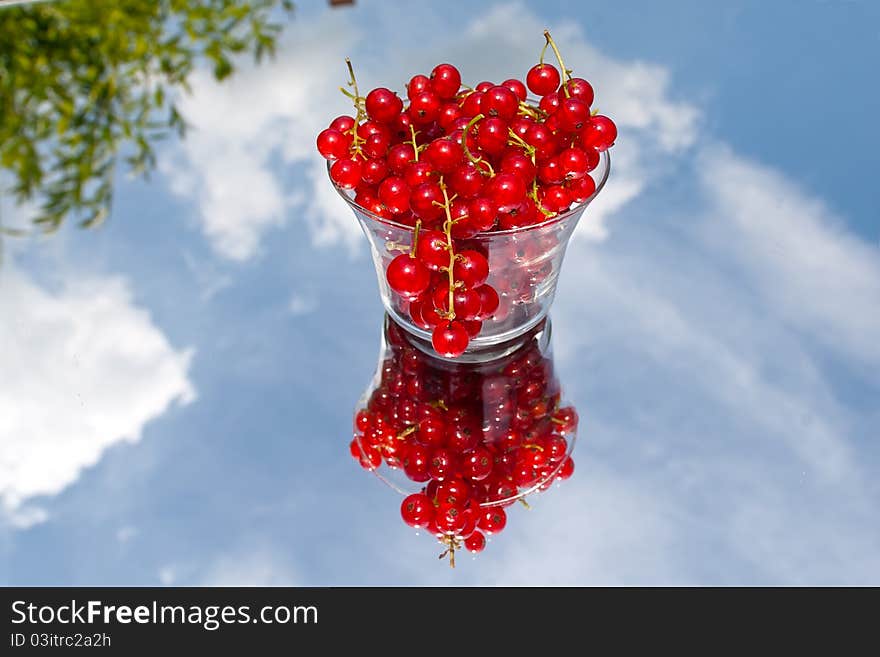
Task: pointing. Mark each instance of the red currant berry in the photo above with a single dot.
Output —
(499, 101)
(566, 419)
(599, 133)
(471, 104)
(582, 188)
(452, 492)
(346, 173)
(443, 155)
(377, 144)
(450, 520)
(432, 249)
(492, 135)
(465, 301)
(471, 268)
(394, 193)
(573, 114)
(574, 163)
(466, 181)
(375, 170)
(343, 124)
(417, 173)
(566, 470)
(449, 113)
(424, 201)
(472, 326)
(542, 79)
(417, 510)
(493, 520)
(477, 464)
(476, 542)
(518, 163)
(580, 88)
(556, 198)
(407, 276)
(399, 157)
(424, 108)
(417, 84)
(383, 105)
(450, 339)
(332, 144)
(550, 172)
(517, 87)
(550, 103)
(416, 462)
(445, 80)
(482, 213)
(441, 464)
(506, 190)
(488, 301)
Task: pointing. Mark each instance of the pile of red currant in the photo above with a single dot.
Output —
(454, 162)
(477, 437)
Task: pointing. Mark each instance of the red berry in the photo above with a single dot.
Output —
(399, 157)
(566, 470)
(443, 155)
(466, 180)
(445, 80)
(477, 464)
(566, 419)
(599, 133)
(346, 173)
(417, 510)
(573, 162)
(573, 114)
(472, 326)
(417, 84)
(550, 172)
(450, 520)
(452, 492)
(488, 301)
(332, 144)
(441, 464)
(493, 520)
(517, 87)
(377, 144)
(416, 462)
(482, 213)
(471, 268)
(394, 193)
(542, 79)
(417, 173)
(407, 276)
(518, 163)
(432, 249)
(506, 190)
(492, 135)
(580, 88)
(424, 199)
(449, 113)
(550, 103)
(450, 339)
(556, 198)
(582, 189)
(476, 542)
(375, 170)
(424, 108)
(465, 301)
(499, 101)
(471, 104)
(383, 105)
(343, 124)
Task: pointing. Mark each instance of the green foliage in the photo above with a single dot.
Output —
(82, 79)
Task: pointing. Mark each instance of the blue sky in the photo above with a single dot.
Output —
(177, 387)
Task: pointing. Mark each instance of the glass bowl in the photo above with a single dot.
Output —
(500, 426)
(524, 265)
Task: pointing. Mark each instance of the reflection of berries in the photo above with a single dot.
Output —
(454, 164)
(473, 438)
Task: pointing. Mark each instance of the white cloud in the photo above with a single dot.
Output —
(83, 369)
(250, 130)
(255, 567)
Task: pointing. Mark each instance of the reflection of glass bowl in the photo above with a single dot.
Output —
(524, 264)
(507, 410)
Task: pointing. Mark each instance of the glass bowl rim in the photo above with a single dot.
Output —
(573, 211)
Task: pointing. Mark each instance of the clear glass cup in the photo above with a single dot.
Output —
(509, 411)
(524, 266)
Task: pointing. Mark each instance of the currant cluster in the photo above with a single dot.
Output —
(478, 437)
(454, 162)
